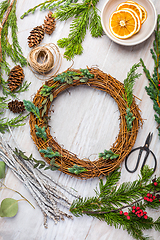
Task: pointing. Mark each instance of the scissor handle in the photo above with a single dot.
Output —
(139, 156)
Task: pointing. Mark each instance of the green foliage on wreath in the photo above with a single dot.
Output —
(77, 169)
(129, 119)
(41, 132)
(30, 107)
(111, 200)
(128, 96)
(153, 90)
(108, 154)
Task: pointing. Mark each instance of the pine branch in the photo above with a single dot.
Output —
(153, 90)
(110, 201)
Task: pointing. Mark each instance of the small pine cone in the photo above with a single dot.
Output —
(16, 106)
(16, 77)
(36, 36)
(49, 23)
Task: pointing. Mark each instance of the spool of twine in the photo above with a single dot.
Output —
(45, 61)
(41, 59)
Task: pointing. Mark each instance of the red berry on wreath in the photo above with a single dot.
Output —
(121, 212)
(145, 216)
(155, 183)
(128, 217)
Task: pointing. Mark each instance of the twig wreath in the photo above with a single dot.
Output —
(66, 161)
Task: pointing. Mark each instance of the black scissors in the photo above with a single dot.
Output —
(141, 149)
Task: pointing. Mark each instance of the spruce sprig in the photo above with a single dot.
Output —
(153, 90)
(110, 200)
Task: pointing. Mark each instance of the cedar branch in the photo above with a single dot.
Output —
(2, 24)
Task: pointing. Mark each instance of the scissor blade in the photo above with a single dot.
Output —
(148, 139)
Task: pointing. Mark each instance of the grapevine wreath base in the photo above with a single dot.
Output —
(66, 160)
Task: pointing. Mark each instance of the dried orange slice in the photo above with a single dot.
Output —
(132, 6)
(123, 24)
(144, 12)
(137, 18)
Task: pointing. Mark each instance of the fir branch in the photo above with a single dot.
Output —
(110, 200)
(153, 90)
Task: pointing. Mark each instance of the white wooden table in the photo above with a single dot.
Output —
(85, 121)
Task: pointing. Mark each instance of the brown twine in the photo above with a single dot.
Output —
(45, 61)
(124, 141)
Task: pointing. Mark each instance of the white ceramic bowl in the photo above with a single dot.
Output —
(147, 27)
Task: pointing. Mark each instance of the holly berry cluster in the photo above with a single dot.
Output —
(139, 212)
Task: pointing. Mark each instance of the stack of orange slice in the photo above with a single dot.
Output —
(127, 19)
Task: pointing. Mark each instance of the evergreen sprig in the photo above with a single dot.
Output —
(37, 163)
(85, 16)
(153, 90)
(129, 83)
(13, 50)
(110, 202)
(14, 122)
(50, 4)
(128, 96)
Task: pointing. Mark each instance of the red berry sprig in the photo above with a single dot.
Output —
(125, 214)
(139, 212)
(149, 197)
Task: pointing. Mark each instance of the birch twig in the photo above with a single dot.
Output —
(46, 191)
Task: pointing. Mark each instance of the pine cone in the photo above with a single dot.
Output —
(36, 36)
(49, 23)
(16, 77)
(16, 106)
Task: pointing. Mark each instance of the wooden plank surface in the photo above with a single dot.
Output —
(85, 121)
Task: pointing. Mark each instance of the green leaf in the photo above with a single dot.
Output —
(9, 207)
(41, 132)
(77, 169)
(108, 154)
(51, 97)
(49, 153)
(30, 107)
(2, 169)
